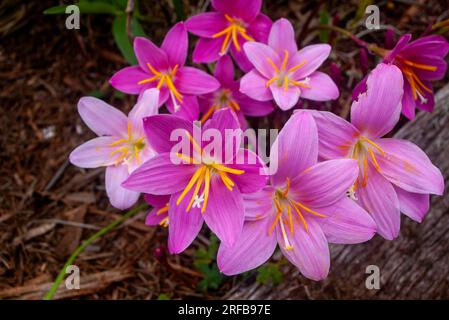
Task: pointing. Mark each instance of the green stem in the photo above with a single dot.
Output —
(49, 295)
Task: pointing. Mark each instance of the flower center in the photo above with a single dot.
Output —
(418, 87)
(129, 148)
(165, 78)
(283, 76)
(235, 28)
(202, 176)
(222, 99)
(284, 214)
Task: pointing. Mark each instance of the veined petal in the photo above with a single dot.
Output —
(252, 249)
(295, 149)
(408, 103)
(379, 198)
(285, 99)
(176, 44)
(224, 71)
(400, 45)
(253, 84)
(193, 81)
(347, 223)
(147, 52)
(322, 88)
(258, 204)
(377, 110)
(259, 55)
(282, 37)
(188, 109)
(254, 108)
(126, 80)
(325, 183)
(413, 205)
(310, 253)
(160, 176)
(224, 213)
(146, 106)
(206, 24)
(433, 45)
(119, 197)
(102, 118)
(156, 201)
(313, 56)
(253, 179)
(183, 226)
(408, 167)
(260, 28)
(94, 153)
(153, 219)
(246, 10)
(207, 50)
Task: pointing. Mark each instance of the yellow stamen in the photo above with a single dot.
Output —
(300, 216)
(221, 167)
(189, 186)
(273, 65)
(292, 69)
(194, 143)
(199, 182)
(287, 188)
(290, 218)
(155, 72)
(284, 63)
(206, 189)
(164, 222)
(375, 145)
(271, 81)
(371, 153)
(234, 105)
(309, 210)
(208, 114)
(285, 83)
(300, 84)
(162, 210)
(419, 65)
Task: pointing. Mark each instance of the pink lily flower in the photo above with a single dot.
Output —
(395, 175)
(303, 209)
(120, 146)
(202, 187)
(283, 73)
(158, 215)
(227, 29)
(229, 96)
(163, 68)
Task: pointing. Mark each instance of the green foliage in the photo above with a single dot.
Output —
(269, 272)
(179, 9)
(116, 8)
(163, 296)
(324, 20)
(204, 261)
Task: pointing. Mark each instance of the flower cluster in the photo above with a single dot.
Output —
(328, 180)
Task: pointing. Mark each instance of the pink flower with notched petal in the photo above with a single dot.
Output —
(206, 189)
(121, 145)
(229, 96)
(303, 209)
(163, 68)
(227, 29)
(395, 175)
(283, 73)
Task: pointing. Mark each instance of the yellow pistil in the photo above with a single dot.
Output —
(166, 78)
(231, 33)
(283, 75)
(128, 148)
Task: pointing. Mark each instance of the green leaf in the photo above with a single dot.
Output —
(87, 7)
(324, 20)
(268, 272)
(179, 9)
(163, 296)
(122, 40)
(136, 28)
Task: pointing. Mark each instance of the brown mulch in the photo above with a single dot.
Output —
(47, 206)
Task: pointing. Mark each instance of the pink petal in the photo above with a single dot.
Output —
(260, 28)
(246, 10)
(102, 118)
(253, 84)
(146, 106)
(258, 204)
(153, 219)
(310, 253)
(207, 50)
(429, 104)
(224, 71)
(147, 52)
(159, 128)
(335, 134)
(119, 197)
(408, 103)
(206, 24)
(183, 226)
(401, 44)
(437, 62)
(295, 149)
(176, 44)
(240, 57)
(408, 167)
(285, 99)
(94, 153)
(379, 198)
(193, 81)
(156, 201)
(252, 249)
(253, 179)
(282, 37)
(254, 108)
(413, 205)
(160, 176)
(224, 212)
(347, 223)
(188, 109)
(433, 45)
(313, 56)
(377, 110)
(258, 54)
(126, 80)
(322, 88)
(325, 183)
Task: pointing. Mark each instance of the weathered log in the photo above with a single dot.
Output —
(413, 266)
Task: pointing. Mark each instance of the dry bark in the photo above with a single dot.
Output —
(414, 266)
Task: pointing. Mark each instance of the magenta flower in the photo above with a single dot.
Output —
(229, 96)
(303, 209)
(228, 28)
(163, 68)
(120, 146)
(283, 73)
(395, 175)
(158, 215)
(202, 186)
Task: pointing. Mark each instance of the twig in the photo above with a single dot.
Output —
(129, 13)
